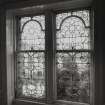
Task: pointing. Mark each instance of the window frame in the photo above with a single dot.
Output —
(90, 51)
(16, 51)
(50, 30)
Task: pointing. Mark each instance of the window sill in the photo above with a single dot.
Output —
(62, 102)
(25, 102)
(58, 102)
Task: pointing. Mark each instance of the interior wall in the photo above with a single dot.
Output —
(3, 75)
(99, 52)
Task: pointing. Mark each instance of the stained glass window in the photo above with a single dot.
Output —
(30, 58)
(73, 57)
(72, 50)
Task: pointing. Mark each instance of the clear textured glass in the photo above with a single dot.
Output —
(30, 58)
(73, 59)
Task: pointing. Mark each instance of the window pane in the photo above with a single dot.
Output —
(30, 58)
(32, 33)
(73, 56)
(72, 31)
(31, 74)
(82, 14)
(73, 73)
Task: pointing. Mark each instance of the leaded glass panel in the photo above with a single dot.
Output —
(32, 33)
(73, 57)
(73, 34)
(30, 58)
(73, 73)
(31, 74)
(84, 15)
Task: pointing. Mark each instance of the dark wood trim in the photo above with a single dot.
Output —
(50, 50)
(10, 4)
(3, 64)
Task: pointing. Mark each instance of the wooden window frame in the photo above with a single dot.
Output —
(90, 51)
(17, 51)
(50, 51)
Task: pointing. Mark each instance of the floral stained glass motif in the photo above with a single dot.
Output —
(31, 58)
(73, 57)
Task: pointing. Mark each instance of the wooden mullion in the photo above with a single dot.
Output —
(50, 55)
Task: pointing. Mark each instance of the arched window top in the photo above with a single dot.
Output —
(70, 20)
(39, 19)
(82, 15)
(73, 31)
(33, 23)
(32, 33)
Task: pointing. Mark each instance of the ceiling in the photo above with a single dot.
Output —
(7, 2)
